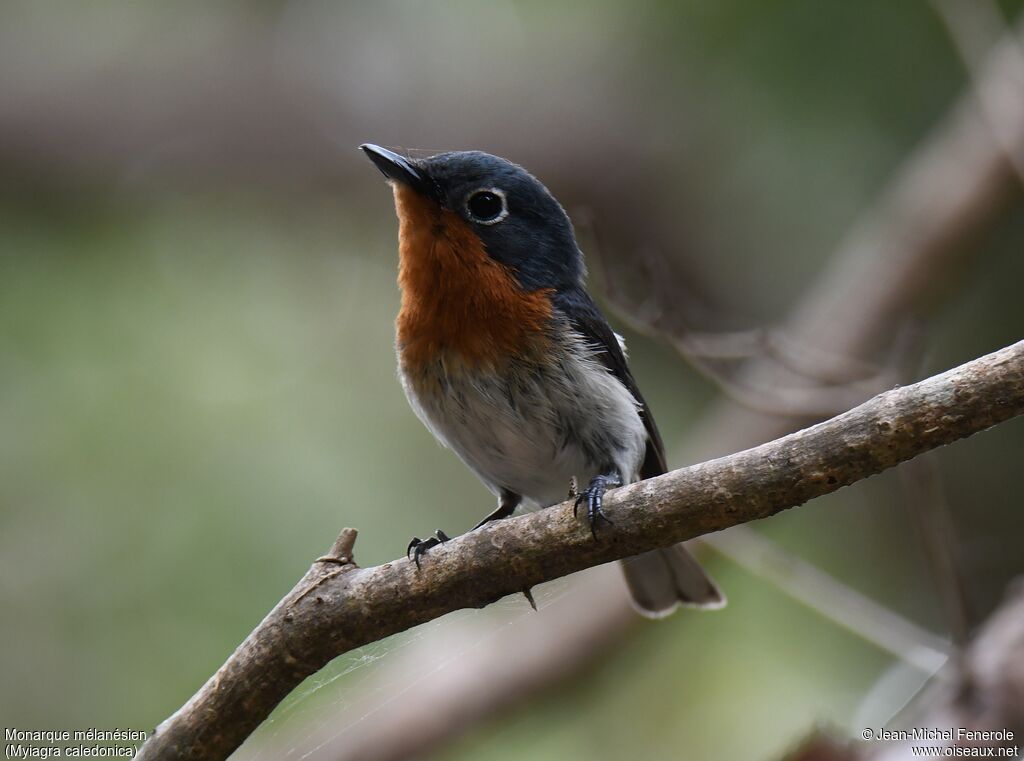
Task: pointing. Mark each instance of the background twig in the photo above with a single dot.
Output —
(985, 694)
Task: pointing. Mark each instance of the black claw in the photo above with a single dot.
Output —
(419, 547)
(595, 513)
(422, 547)
(593, 495)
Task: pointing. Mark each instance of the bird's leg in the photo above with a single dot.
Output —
(593, 496)
(507, 503)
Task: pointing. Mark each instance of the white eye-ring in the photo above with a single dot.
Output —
(487, 206)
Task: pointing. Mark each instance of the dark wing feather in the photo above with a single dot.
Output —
(587, 320)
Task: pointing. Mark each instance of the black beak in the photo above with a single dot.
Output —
(397, 168)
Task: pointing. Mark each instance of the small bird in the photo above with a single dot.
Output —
(509, 363)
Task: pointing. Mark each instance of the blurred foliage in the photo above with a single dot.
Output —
(197, 377)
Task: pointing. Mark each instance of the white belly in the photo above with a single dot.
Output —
(530, 429)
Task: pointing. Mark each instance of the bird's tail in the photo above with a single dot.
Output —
(661, 580)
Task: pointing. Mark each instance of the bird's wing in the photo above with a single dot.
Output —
(584, 316)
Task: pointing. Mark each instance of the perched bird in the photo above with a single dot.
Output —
(507, 360)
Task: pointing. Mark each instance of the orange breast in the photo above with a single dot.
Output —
(459, 305)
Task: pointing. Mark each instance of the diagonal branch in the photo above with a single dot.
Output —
(972, 27)
(329, 613)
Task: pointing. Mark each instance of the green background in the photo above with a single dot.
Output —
(197, 384)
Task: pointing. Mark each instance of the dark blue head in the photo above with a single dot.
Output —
(519, 222)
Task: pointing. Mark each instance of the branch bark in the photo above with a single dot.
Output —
(337, 607)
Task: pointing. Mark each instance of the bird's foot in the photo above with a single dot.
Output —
(593, 496)
(418, 547)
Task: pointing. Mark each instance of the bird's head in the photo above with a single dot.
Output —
(489, 201)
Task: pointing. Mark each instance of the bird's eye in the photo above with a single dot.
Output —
(487, 206)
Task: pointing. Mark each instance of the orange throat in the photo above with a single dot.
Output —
(459, 306)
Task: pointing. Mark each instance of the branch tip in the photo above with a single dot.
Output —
(341, 551)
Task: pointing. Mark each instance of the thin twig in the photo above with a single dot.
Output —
(809, 402)
(826, 389)
(973, 26)
(929, 509)
(833, 599)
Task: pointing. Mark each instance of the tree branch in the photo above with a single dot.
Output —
(337, 609)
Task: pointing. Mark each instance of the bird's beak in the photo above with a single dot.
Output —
(397, 168)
